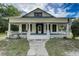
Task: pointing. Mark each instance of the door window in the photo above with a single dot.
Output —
(39, 28)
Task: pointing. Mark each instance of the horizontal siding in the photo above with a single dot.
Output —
(37, 10)
(24, 20)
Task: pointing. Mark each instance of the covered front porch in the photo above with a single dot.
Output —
(43, 30)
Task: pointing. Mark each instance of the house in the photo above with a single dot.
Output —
(39, 24)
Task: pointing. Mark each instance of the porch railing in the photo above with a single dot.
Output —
(42, 36)
(30, 35)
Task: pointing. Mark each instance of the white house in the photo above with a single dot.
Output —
(39, 24)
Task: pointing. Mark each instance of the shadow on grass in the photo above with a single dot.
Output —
(59, 47)
(18, 47)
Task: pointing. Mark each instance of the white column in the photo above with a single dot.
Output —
(9, 27)
(48, 32)
(44, 28)
(67, 29)
(57, 27)
(48, 28)
(33, 27)
(26, 27)
(20, 28)
(28, 32)
(29, 29)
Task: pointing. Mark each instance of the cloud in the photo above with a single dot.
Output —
(57, 13)
(56, 9)
(27, 7)
(77, 15)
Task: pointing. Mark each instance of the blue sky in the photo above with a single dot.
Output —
(69, 10)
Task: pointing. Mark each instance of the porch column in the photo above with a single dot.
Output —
(57, 27)
(48, 29)
(67, 29)
(44, 27)
(33, 28)
(9, 28)
(29, 29)
(26, 27)
(51, 28)
(20, 28)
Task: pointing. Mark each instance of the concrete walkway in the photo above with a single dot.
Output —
(37, 48)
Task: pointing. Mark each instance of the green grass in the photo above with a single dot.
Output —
(13, 47)
(2, 34)
(18, 47)
(58, 47)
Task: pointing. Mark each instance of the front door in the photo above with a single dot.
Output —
(39, 28)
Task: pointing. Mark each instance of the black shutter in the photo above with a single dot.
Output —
(30, 27)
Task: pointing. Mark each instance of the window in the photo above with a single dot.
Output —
(62, 27)
(39, 28)
(53, 28)
(38, 14)
(14, 27)
(24, 27)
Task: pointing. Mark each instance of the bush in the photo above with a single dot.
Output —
(3, 25)
(75, 28)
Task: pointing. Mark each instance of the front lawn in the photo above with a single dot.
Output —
(2, 36)
(62, 47)
(14, 47)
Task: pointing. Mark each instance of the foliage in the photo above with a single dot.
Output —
(12, 11)
(3, 25)
(6, 10)
(75, 28)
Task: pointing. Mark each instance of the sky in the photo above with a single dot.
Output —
(67, 10)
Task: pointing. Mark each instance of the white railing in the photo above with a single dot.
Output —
(29, 36)
(16, 33)
(58, 34)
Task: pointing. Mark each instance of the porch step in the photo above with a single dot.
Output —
(38, 37)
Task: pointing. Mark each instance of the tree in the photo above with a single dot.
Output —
(2, 9)
(12, 11)
(3, 25)
(6, 10)
(75, 28)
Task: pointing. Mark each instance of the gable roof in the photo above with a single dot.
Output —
(38, 9)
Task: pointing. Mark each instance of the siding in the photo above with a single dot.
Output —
(38, 20)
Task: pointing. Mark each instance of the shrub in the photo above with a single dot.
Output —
(75, 28)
